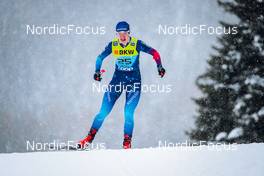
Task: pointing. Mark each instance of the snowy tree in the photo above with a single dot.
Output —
(232, 106)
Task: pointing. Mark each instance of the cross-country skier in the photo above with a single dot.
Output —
(125, 49)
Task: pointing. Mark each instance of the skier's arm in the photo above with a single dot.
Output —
(141, 46)
(102, 56)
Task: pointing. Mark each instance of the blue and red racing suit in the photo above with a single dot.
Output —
(126, 78)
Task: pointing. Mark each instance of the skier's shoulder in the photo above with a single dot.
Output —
(109, 45)
(138, 41)
(141, 45)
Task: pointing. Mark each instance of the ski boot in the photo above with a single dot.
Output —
(127, 142)
(88, 139)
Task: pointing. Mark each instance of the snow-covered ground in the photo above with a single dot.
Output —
(241, 160)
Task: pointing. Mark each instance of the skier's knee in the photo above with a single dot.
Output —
(101, 115)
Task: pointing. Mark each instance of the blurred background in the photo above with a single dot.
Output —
(46, 80)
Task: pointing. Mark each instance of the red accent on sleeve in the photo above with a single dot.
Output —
(156, 56)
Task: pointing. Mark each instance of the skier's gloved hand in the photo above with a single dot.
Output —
(97, 76)
(161, 71)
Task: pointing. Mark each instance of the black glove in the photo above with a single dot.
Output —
(161, 71)
(97, 76)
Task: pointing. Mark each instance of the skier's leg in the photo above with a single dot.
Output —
(132, 99)
(109, 99)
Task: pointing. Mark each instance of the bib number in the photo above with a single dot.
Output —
(124, 61)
